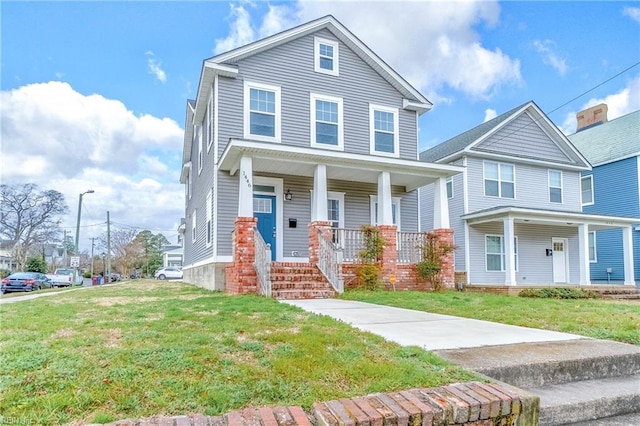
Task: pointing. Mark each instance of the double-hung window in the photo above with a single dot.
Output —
(209, 215)
(193, 226)
(499, 180)
(200, 153)
(395, 210)
(326, 55)
(384, 130)
(209, 118)
(262, 112)
(326, 122)
(586, 187)
(593, 257)
(450, 187)
(555, 186)
(495, 253)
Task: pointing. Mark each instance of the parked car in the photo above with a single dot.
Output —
(65, 277)
(113, 277)
(24, 281)
(168, 273)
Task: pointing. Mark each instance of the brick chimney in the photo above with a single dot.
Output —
(591, 117)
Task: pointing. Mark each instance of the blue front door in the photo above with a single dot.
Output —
(264, 209)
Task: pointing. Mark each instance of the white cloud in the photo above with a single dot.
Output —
(489, 114)
(155, 69)
(632, 12)
(60, 139)
(625, 101)
(546, 50)
(432, 44)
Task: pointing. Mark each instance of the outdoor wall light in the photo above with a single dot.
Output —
(288, 196)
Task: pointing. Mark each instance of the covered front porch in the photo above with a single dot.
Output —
(525, 246)
(334, 193)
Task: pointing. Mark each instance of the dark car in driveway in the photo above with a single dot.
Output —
(24, 281)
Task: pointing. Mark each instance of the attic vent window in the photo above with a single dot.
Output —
(326, 56)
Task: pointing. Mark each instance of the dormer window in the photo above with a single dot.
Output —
(326, 56)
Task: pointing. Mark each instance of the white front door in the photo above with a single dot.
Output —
(560, 264)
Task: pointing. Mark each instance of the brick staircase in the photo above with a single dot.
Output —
(295, 280)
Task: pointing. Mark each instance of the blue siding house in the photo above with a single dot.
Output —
(611, 187)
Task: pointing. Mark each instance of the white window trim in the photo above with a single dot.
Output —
(316, 55)
(372, 131)
(589, 177)
(209, 118)
(484, 178)
(209, 230)
(278, 114)
(595, 248)
(503, 259)
(316, 97)
(331, 195)
(190, 183)
(549, 187)
(449, 181)
(200, 154)
(194, 234)
(373, 200)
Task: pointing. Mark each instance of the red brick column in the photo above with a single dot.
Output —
(313, 238)
(241, 276)
(389, 258)
(445, 236)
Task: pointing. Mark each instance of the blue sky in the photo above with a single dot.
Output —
(94, 93)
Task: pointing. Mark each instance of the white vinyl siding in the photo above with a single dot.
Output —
(495, 253)
(593, 257)
(555, 186)
(499, 179)
(586, 189)
(326, 122)
(326, 55)
(384, 130)
(262, 112)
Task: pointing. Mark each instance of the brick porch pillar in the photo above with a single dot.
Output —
(240, 276)
(389, 258)
(445, 236)
(313, 228)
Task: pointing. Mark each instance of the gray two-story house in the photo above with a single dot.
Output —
(290, 135)
(517, 209)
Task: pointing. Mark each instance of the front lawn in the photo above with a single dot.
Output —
(597, 318)
(143, 348)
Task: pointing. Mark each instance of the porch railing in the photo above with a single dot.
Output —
(351, 241)
(262, 263)
(330, 261)
(409, 245)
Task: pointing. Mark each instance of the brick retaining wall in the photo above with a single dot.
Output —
(470, 404)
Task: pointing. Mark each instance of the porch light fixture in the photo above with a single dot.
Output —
(288, 196)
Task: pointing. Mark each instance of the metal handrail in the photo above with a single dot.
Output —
(330, 261)
(262, 263)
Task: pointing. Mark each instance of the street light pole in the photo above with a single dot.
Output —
(90, 191)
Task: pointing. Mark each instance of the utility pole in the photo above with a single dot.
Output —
(108, 245)
(92, 245)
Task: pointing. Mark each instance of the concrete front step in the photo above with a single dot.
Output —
(588, 400)
(530, 365)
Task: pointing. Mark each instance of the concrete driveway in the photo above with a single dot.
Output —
(429, 331)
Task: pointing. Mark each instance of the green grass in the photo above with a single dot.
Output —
(597, 318)
(144, 348)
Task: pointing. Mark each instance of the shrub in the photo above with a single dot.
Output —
(433, 252)
(4, 273)
(369, 271)
(36, 264)
(559, 293)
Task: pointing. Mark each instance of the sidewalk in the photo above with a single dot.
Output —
(428, 331)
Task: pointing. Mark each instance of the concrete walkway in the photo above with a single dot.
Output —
(429, 331)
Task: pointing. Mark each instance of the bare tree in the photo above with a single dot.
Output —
(29, 217)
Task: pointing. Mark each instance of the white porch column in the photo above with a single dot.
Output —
(385, 208)
(583, 254)
(509, 252)
(319, 198)
(245, 190)
(440, 204)
(627, 247)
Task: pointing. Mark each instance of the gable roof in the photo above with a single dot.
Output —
(469, 142)
(225, 63)
(611, 141)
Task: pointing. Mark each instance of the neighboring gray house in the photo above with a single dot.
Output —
(303, 128)
(516, 210)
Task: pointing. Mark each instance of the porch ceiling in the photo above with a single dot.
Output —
(298, 161)
(549, 217)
